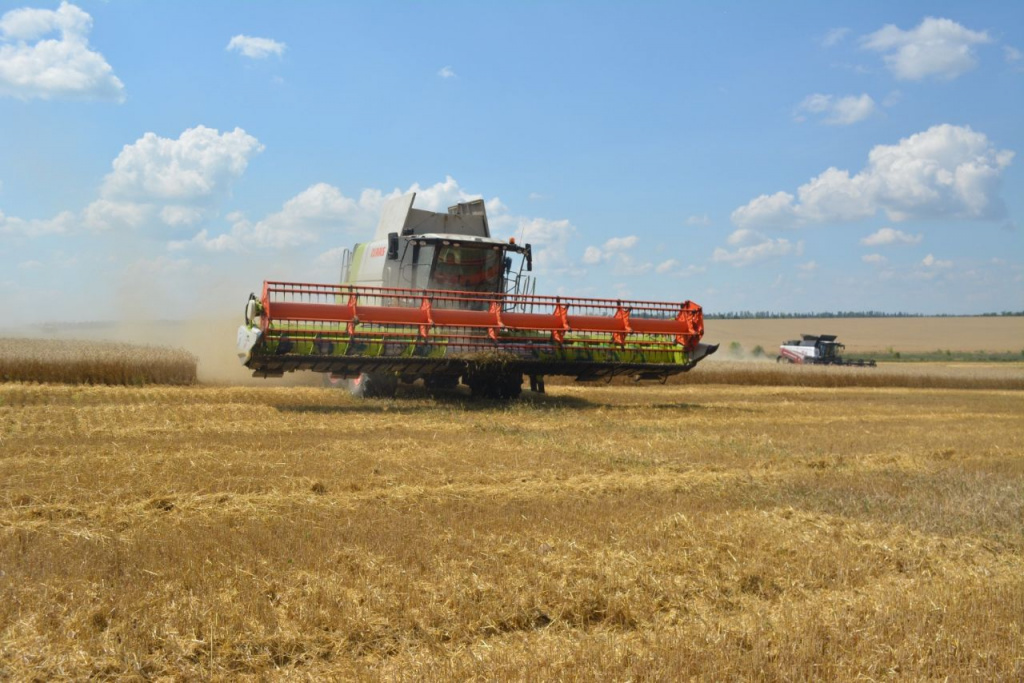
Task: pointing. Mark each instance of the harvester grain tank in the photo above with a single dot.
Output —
(820, 349)
(435, 297)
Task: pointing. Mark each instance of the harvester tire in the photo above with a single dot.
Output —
(374, 385)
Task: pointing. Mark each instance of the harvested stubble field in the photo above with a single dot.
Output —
(718, 532)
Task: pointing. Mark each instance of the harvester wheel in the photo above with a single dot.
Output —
(374, 385)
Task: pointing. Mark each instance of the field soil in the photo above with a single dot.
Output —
(620, 533)
(866, 335)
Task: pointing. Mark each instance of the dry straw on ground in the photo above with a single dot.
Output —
(658, 533)
(93, 362)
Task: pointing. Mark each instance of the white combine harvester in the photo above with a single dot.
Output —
(821, 349)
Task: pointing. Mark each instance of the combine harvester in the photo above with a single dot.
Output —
(822, 349)
(435, 297)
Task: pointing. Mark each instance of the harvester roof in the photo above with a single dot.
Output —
(465, 218)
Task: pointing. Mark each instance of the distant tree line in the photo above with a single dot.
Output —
(753, 315)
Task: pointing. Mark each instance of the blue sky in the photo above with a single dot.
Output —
(161, 159)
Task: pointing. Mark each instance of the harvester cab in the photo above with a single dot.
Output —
(417, 249)
(435, 297)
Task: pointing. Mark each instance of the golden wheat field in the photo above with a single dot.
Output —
(78, 361)
(718, 532)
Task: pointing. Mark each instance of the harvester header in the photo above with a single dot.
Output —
(439, 299)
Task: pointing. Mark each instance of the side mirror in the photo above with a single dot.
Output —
(392, 246)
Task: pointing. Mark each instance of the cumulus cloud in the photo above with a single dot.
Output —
(175, 182)
(887, 236)
(699, 220)
(944, 172)
(874, 259)
(837, 111)
(255, 48)
(752, 247)
(447, 72)
(939, 48)
(45, 54)
(200, 164)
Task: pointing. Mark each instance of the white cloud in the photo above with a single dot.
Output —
(936, 47)
(768, 211)
(944, 172)
(614, 247)
(439, 196)
(181, 215)
(625, 264)
(700, 220)
(255, 48)
(673, 268)
(63, 223)
(33, 65)
(550, 239)
(931, 262)
(887, 236)
(838, 111)
(323, 209)
(201, 164)
(104, 214)
(174, 182)
(620, 243)
(157, 181)
(808, 267)
(874, 259)
(666, 266)
(301, 219)
(834, 37)
(753, 247)
(447, 72)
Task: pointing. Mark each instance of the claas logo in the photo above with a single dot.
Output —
(377, 252)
